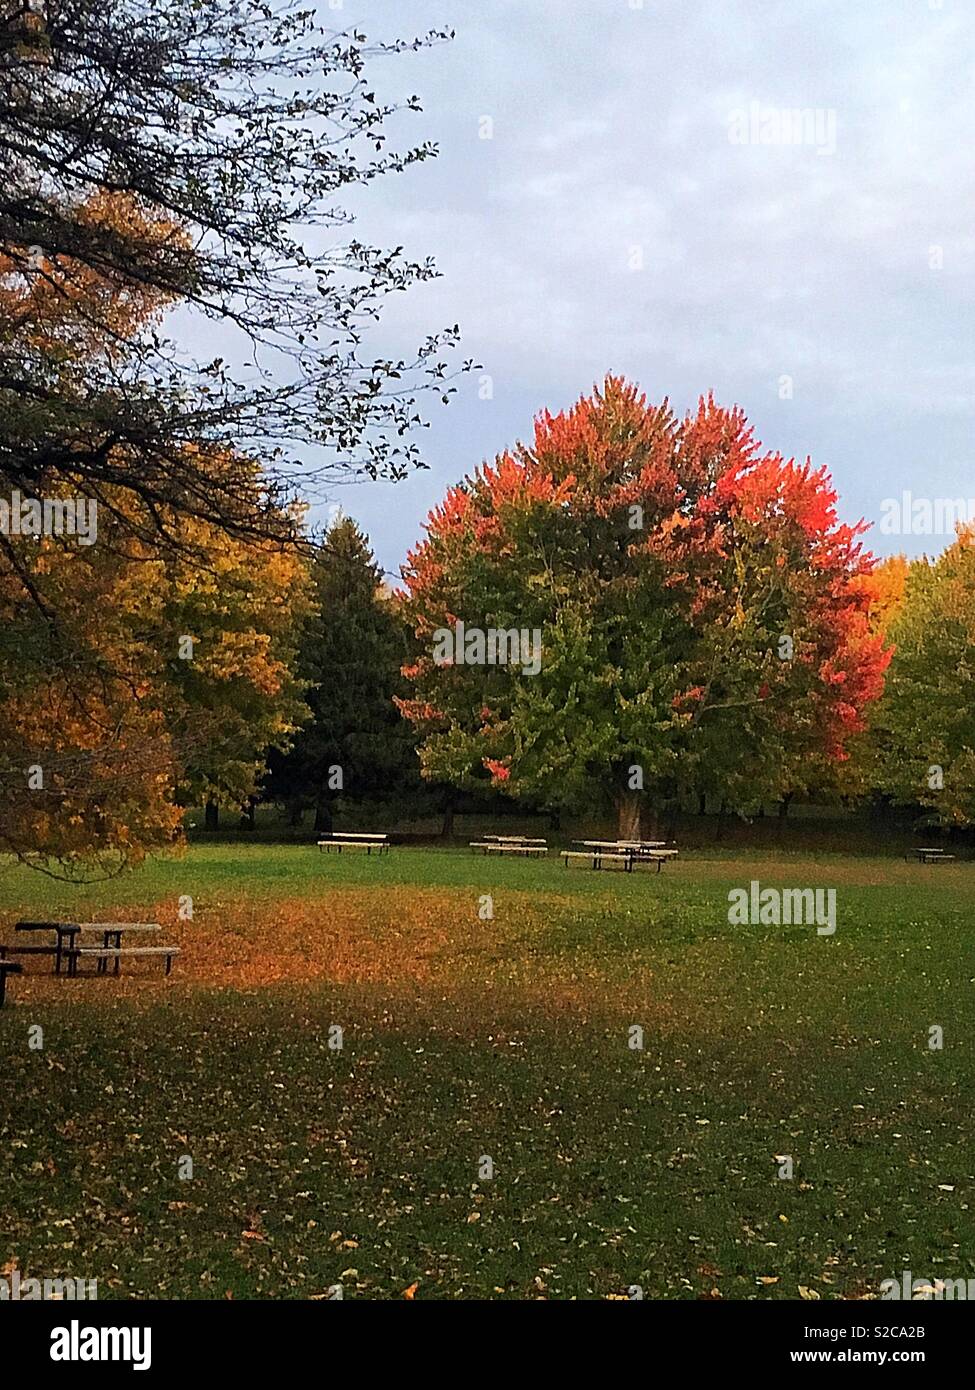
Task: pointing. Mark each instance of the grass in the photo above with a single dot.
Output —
(507, 1038)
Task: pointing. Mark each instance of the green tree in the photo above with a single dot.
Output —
(922, 733)
(354, 745)
(702, 614)
(158, 683)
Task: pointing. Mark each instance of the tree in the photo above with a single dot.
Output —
(354, 745)
(922, 733)
(228, 132)
(135, 674)
(230, 629)
(157, 685)
(87, 767)
(703, 615)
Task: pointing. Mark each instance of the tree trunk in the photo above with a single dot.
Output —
(323, 815)
(296, 815)
(784, 806)
(211, 816)
(629, 807)
(555, 820)
(447, 827)
(247, 815)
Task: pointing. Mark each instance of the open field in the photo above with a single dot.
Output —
(507, 1038)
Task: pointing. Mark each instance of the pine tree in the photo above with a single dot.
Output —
(355, 745)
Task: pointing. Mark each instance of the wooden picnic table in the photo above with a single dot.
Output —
(111, 939)
(624, 853)
(510, 844)
(357, 840)
(517, 839)
(622, 844)
(66, 935)
(929, 854)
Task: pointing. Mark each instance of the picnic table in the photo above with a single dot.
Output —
(379, 843)
(637, 846)
(929, 854)
(66, 946)
(623, 853)
(111, 946)
(510, 844)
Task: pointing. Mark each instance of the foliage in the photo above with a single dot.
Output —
(922, 735)
(352, 645)
(664, 563)
(133, 683)
(198, 152)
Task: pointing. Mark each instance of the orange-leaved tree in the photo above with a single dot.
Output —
(149, 660)
(700, 613)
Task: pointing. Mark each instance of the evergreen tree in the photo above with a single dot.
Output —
(355, 745)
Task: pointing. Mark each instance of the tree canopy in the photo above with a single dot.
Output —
(197, 153)
(704, 616)
(921, 749)
(353, 642)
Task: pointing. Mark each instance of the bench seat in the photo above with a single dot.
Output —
(495, 847)
(598, 857)
(103, 954)
(381, 845)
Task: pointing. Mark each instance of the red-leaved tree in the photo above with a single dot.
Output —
(701, 615)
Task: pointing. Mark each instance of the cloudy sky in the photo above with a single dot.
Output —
(618, 219)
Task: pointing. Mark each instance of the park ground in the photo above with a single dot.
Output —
(508, 1038)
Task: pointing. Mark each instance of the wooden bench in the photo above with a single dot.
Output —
(598, 857)
(7, 967)
(517, 839)
(66, 943)
(507, 847)
(103, 954)
(624, 858)
(379, 843)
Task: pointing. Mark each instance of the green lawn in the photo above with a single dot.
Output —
(507, 1038)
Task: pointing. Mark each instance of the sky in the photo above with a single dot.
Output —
(621, 188)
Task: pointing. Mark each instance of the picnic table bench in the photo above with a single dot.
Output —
(66, 947)
(929, 854)
(103, 954)
(7, 967)
(622, 853)
(510, 844)
(338, 842)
